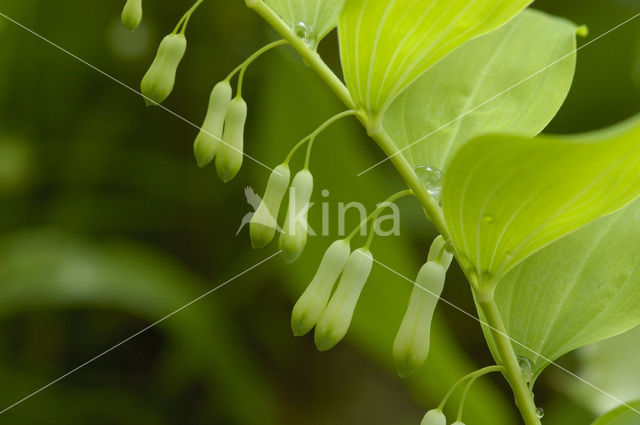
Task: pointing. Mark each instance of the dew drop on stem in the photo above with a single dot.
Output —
(431, 178)
(306, 33)
(526, 369)
(540, 412)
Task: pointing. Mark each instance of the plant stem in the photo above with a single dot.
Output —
(521, 392)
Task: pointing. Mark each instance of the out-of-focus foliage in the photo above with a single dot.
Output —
(108, 225)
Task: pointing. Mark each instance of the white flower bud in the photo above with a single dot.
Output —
(158, 82)
(132, 14)
(208, 141)
(230, 155)
(294, 232)
(336, 319)
(434, 417)
(313, 301)
(411, 346)
(265, 220)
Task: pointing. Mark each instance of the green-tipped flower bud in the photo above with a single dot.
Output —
(458, 423)
(313, 301)
(434, 417)
(335, 320)
(411, 346)
(230, 153)
(208, 140)
(294, 232)
(132, 14)
(158, 82)
(265, 220)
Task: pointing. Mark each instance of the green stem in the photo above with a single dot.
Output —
(309, 139)
(377, 212)
(521, 392)
(243, 67)
(184, 21)
(472, 375)
(523, 396)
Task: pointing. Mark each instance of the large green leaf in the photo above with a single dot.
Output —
(623, 415)
(506, 197)
(487, 86)
(385, 45)
(580, 289)
(310, 19)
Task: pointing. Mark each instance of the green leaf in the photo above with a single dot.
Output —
(620, 416)
(312, 20)
(386, 45)
(487, 86)
(506, 197)
(579, 290)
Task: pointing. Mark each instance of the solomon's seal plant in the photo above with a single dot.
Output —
(455, 93)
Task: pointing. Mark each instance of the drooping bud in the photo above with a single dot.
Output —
(158, 82)
(132, 14)
(230, 151)
(294, 232)
(458, 423)
(434, 417)
(336, 319)
(411, 346)
(313, 301)
(208, 140)
(265, 220)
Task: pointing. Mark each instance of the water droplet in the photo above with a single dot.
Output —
(488, 219)
(526, 368)
(431, 178)
(306, 33)
(540, 412)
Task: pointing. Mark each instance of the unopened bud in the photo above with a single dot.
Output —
(208, 140)
(294, 232)
(458, 423)
(158, 82)
(230, 155)
(313, 301)
(265, 220)
(434, 417)
(411, 346)
(336, 319)
(440, 252)
(132, 14)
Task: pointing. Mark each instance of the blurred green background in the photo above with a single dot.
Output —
(107, 225)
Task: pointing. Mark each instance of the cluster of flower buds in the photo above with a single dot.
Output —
(294, 232)
(332, 317)
(411, 346)
(132, 14)
(221, 136)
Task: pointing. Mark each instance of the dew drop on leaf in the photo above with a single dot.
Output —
(431, 178)
(306, 33)
(488, 219)
(540, 412)
(525, 368)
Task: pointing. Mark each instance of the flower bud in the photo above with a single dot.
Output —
(411, 346)
(434, 417)
(294, 232)
(230, 155)
(335, 320)
(313, 301)
(132, 14)
(208, 140)
(265, 220)
(158, 82)
(458, 423)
